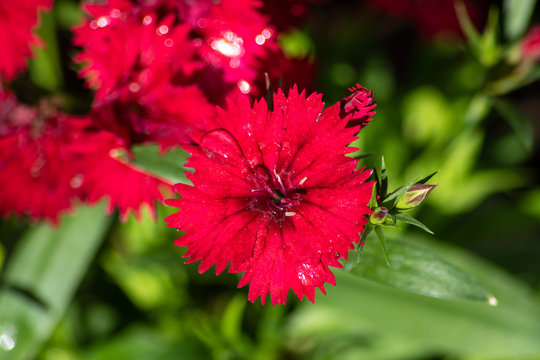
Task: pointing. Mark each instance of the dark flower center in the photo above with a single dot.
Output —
(272, 195)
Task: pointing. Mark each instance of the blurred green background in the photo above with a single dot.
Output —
(95, 288)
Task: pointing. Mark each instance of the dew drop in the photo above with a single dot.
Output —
(244, 86)
(103, 21)
(76, 181)
(260, 39)
(147, 20)
(266, 33)
(168, 43)
(162, 30)
(222, 146)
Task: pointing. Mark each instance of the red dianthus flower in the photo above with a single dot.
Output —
(274, 195)
(48, 159)
(357, 107)
(18, 19)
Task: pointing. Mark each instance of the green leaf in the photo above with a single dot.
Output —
(380, 236)
(362, 319)
(517, 14)
(45, 67)
(417, 270)
(42, 275)
(467, 25)
(169, 166)
(406, 218)
(519, 123)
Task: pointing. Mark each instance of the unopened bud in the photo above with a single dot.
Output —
(358, 106)
(414, 196)
(530, 46)
(378, 216)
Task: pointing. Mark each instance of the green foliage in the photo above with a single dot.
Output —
(42, 275)
(362, 319)
(97, 289)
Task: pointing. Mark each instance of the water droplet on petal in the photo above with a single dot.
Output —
(76, 181)
(147, 20)
(260, 39)
(103, 21)
(244, 86)
(266, 33)
(222, 146)
(162, 30)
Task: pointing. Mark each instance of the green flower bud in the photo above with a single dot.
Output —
(414, 196)
(378, 216)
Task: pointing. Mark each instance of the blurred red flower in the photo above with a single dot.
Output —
(158, 67)
(48, 159)
(274, 195)
(18, 19)
(530, 47)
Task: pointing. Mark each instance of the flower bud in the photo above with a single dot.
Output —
(530, 47)
(358, 106)
(378, 216)
(414, 196)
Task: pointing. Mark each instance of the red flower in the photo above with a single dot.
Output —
(18, 19)
(49, 159)
(357, 107)
(530, 47)
(36, 174)
(274, 195)
(159, 67)
(106, 171)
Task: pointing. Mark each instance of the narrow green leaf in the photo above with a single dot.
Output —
(406, 218)
(517, 15)
(380, 236)
(45, 67)
(384, 179)
(42, 275)
(169, 166)
(427, 178)
(517, 121)
(417, 270)
(466, 25)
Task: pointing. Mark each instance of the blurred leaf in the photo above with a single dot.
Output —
(467, 25)
(296, 44)
(361, 319)
(478, 109)
(169, 166)
(42, 275)
(428, 117)
(68, 13)
(489, 52)
(231, 322)
(45, 68)
(145, 343)
(519, 123)
(517, 14)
